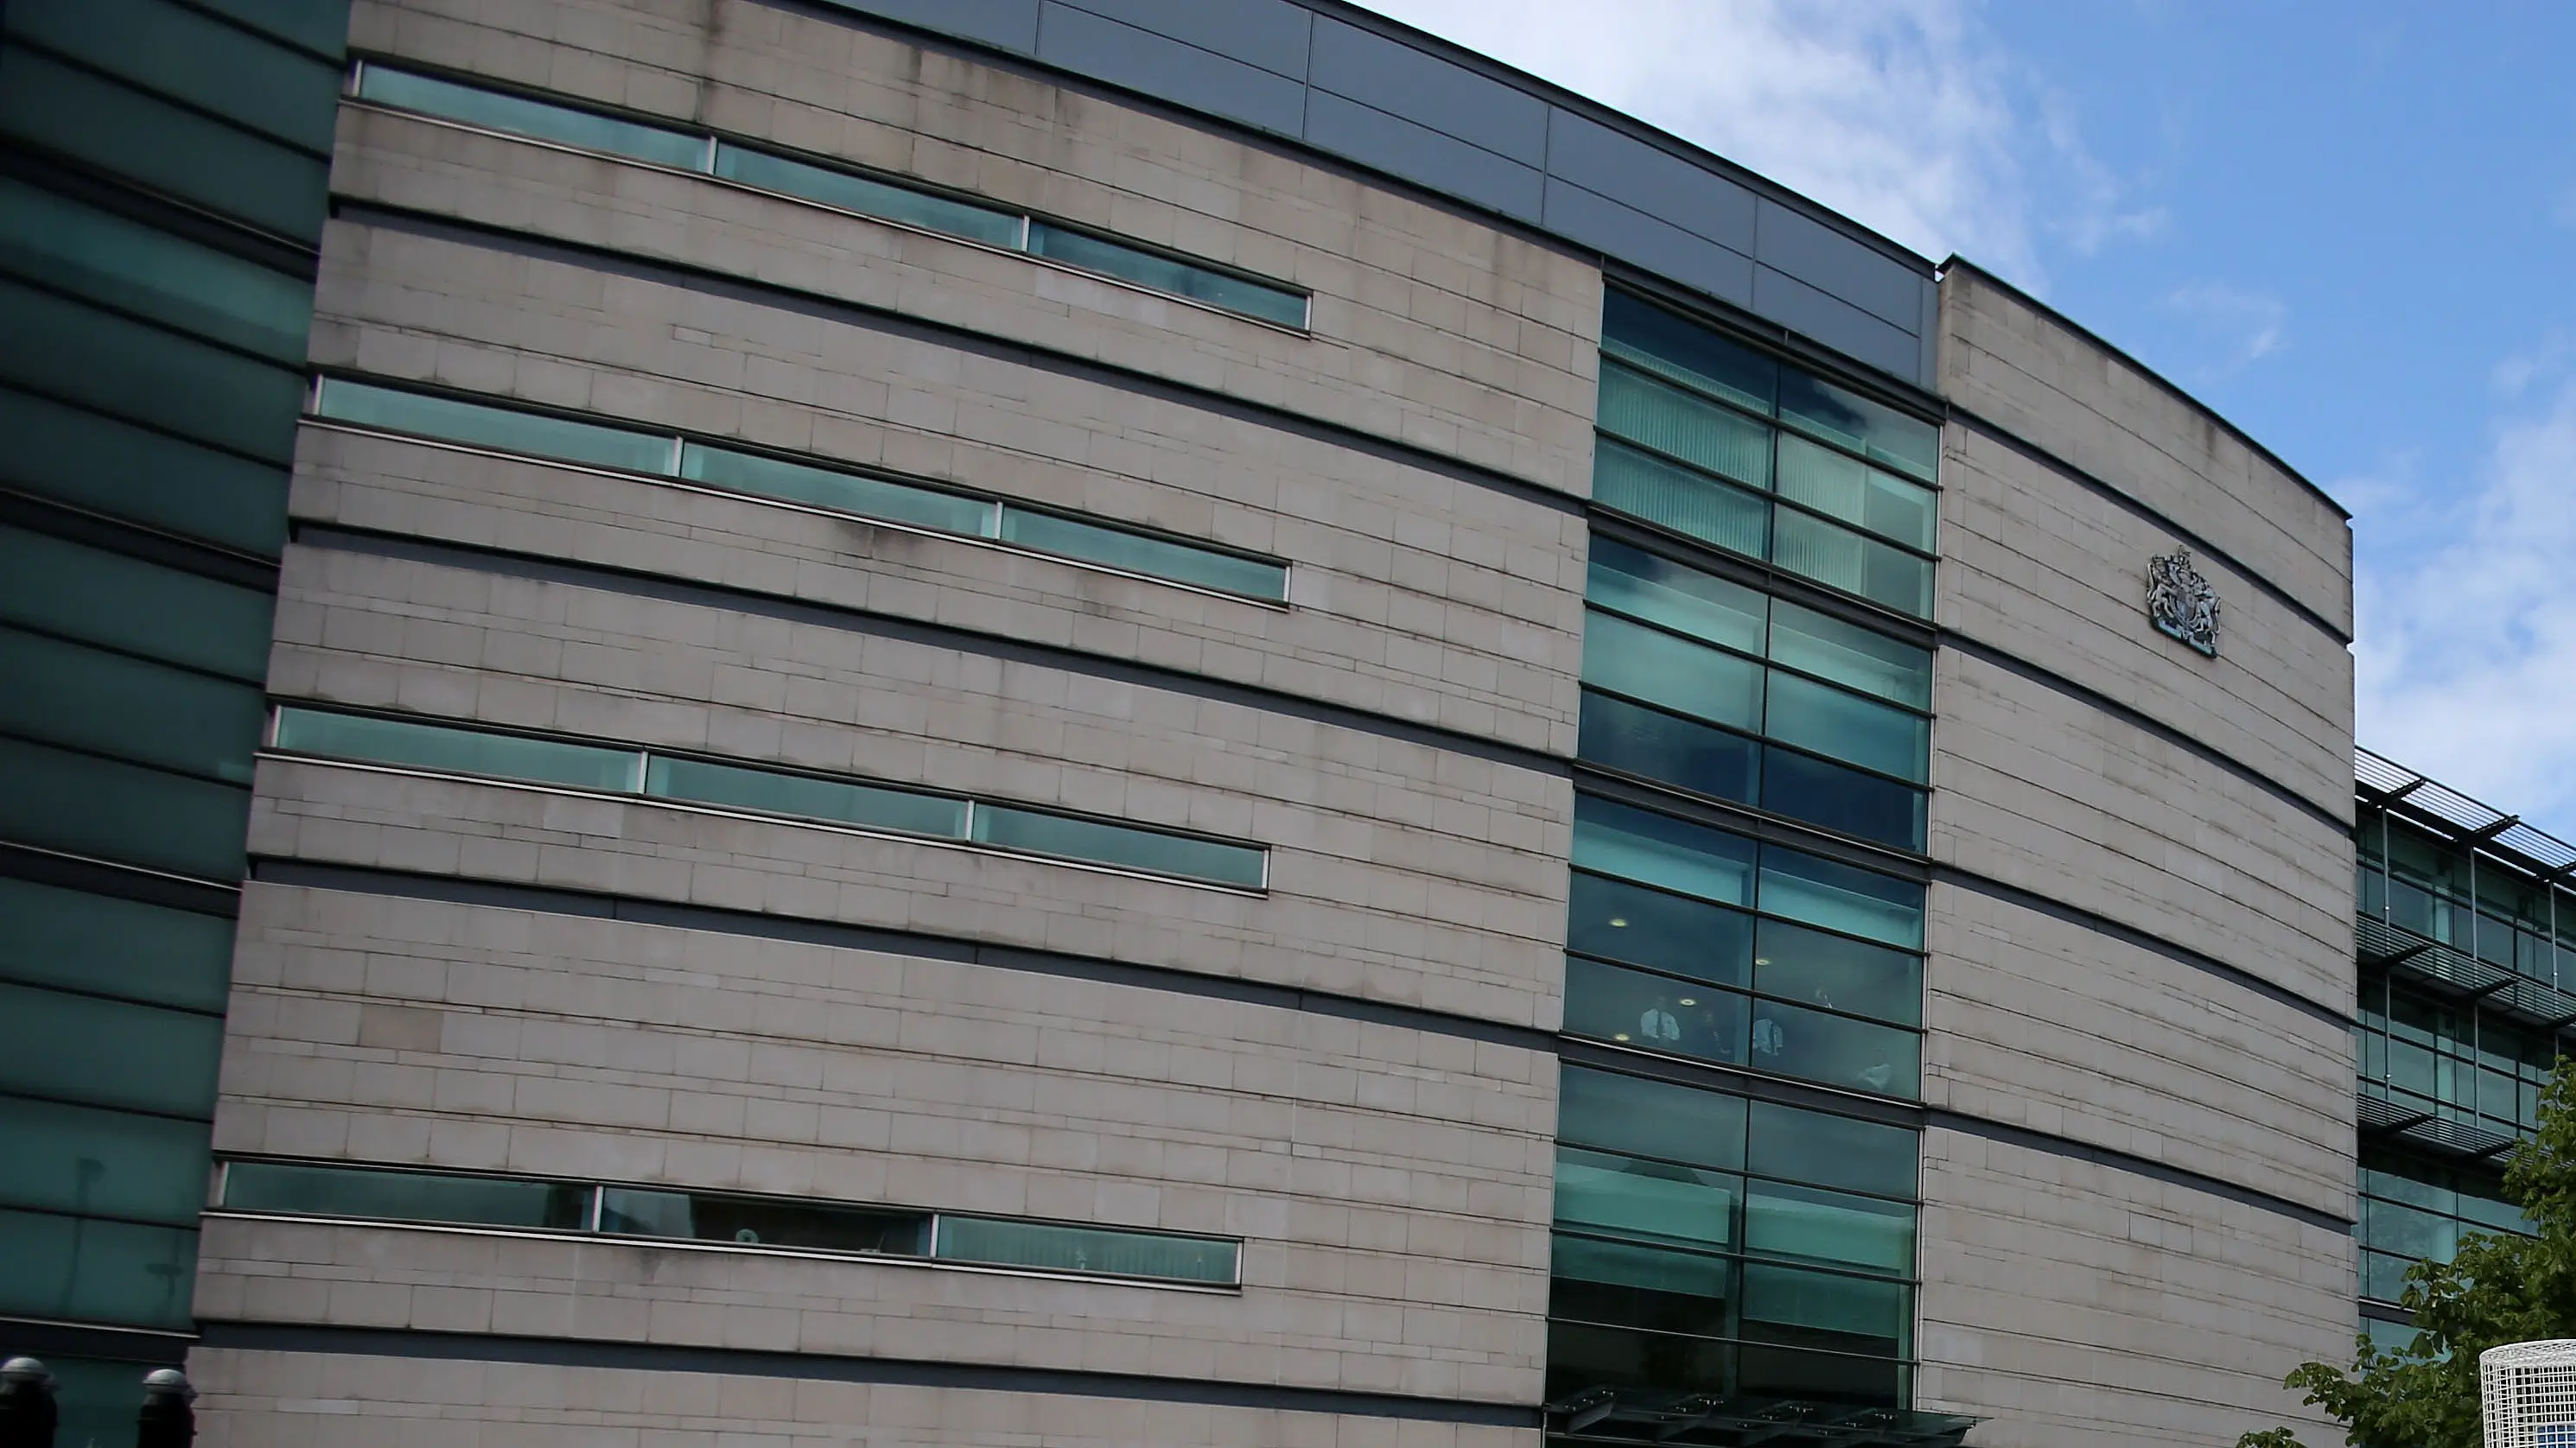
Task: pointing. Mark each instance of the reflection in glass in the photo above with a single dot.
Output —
(1650, 1118)
(519, 116)
(1841, 897)
(1650, 743)
(1629, 1285)
(1835, 1050)
(1830, 1151)
(1659, 590)
(774, 792)
(1653, 338)
(1124, 845)
(1167, 274)
(1659, 668)
(1139, 553)
(767, 477)
(507, 429)
(1051, 1246)
(1636, 844)
(1681, 425)
(867, 196)
(1690, 503)
(1842, 798)
(460, 751)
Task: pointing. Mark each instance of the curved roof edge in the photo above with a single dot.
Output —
(1352, 84)
(2152, 375)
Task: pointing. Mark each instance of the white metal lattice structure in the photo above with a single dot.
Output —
(2529, 1392)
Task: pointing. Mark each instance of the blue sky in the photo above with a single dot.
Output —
(2350, 228)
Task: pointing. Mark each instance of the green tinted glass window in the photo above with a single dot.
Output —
(1651, 587)
(795, 794)
(106, 810)
(116, 947)
(404, 1196)
(117, 365)
(175, 51)
(868, 197)
(1121, 845)
(1799, 964)
(1048, 1246)
(1653, 1012)
(126, 603)
(1635, 844)
(518, 116)
(128, 265)
(1842, 798)
(1811, 1225)
(114, 1163)
(1137, 553)
(1689, 503)
(1840, 558)
(494, 427)
(1655, 339)
(1678, 596)
(63, 693)
(763, 1222)
(1851, 655)
(1842, 897)
(1826, 1310)
(1166, 274)
(272, 186)
(1658, 668)
(1646, 1201)
(122, 471)
(867, 497)
(1620, 921)
(1830, 1151)
(1879, 432)
(1683, 425)
(1815, 1045)
(1668, 748)
(76, 1048)
(1848, 727)
(1650, 1118)
(1844, 487)
(87, 1270)
(460, 751)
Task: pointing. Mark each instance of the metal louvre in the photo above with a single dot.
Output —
(1646, 1416)
(2403, 1121)
(2453, 972)
(2455, 816)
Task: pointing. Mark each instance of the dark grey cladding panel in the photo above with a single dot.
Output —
(1822, 257)
(1836, 323)
(1294, 70)
(1006, 24)
(1435, 159)
(1658, 246)
(1090, 44)
(1429, 91)
(1271, 34)
(1650, 180)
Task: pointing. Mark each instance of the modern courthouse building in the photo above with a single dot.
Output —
(1150, 723)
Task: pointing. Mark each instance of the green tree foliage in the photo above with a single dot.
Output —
(2496, 1289)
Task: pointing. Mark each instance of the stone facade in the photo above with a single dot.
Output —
(2137, 1144)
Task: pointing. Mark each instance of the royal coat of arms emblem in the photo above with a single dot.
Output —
(2181, 602)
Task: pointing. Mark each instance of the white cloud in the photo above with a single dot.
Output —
(2244, 326)
(2467, 657)
(1906, 115)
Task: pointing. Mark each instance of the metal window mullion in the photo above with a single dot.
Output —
(643, 770)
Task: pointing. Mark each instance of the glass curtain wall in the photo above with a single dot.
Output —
(1709, 1240)
(163, 166)
(2468, 1065)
